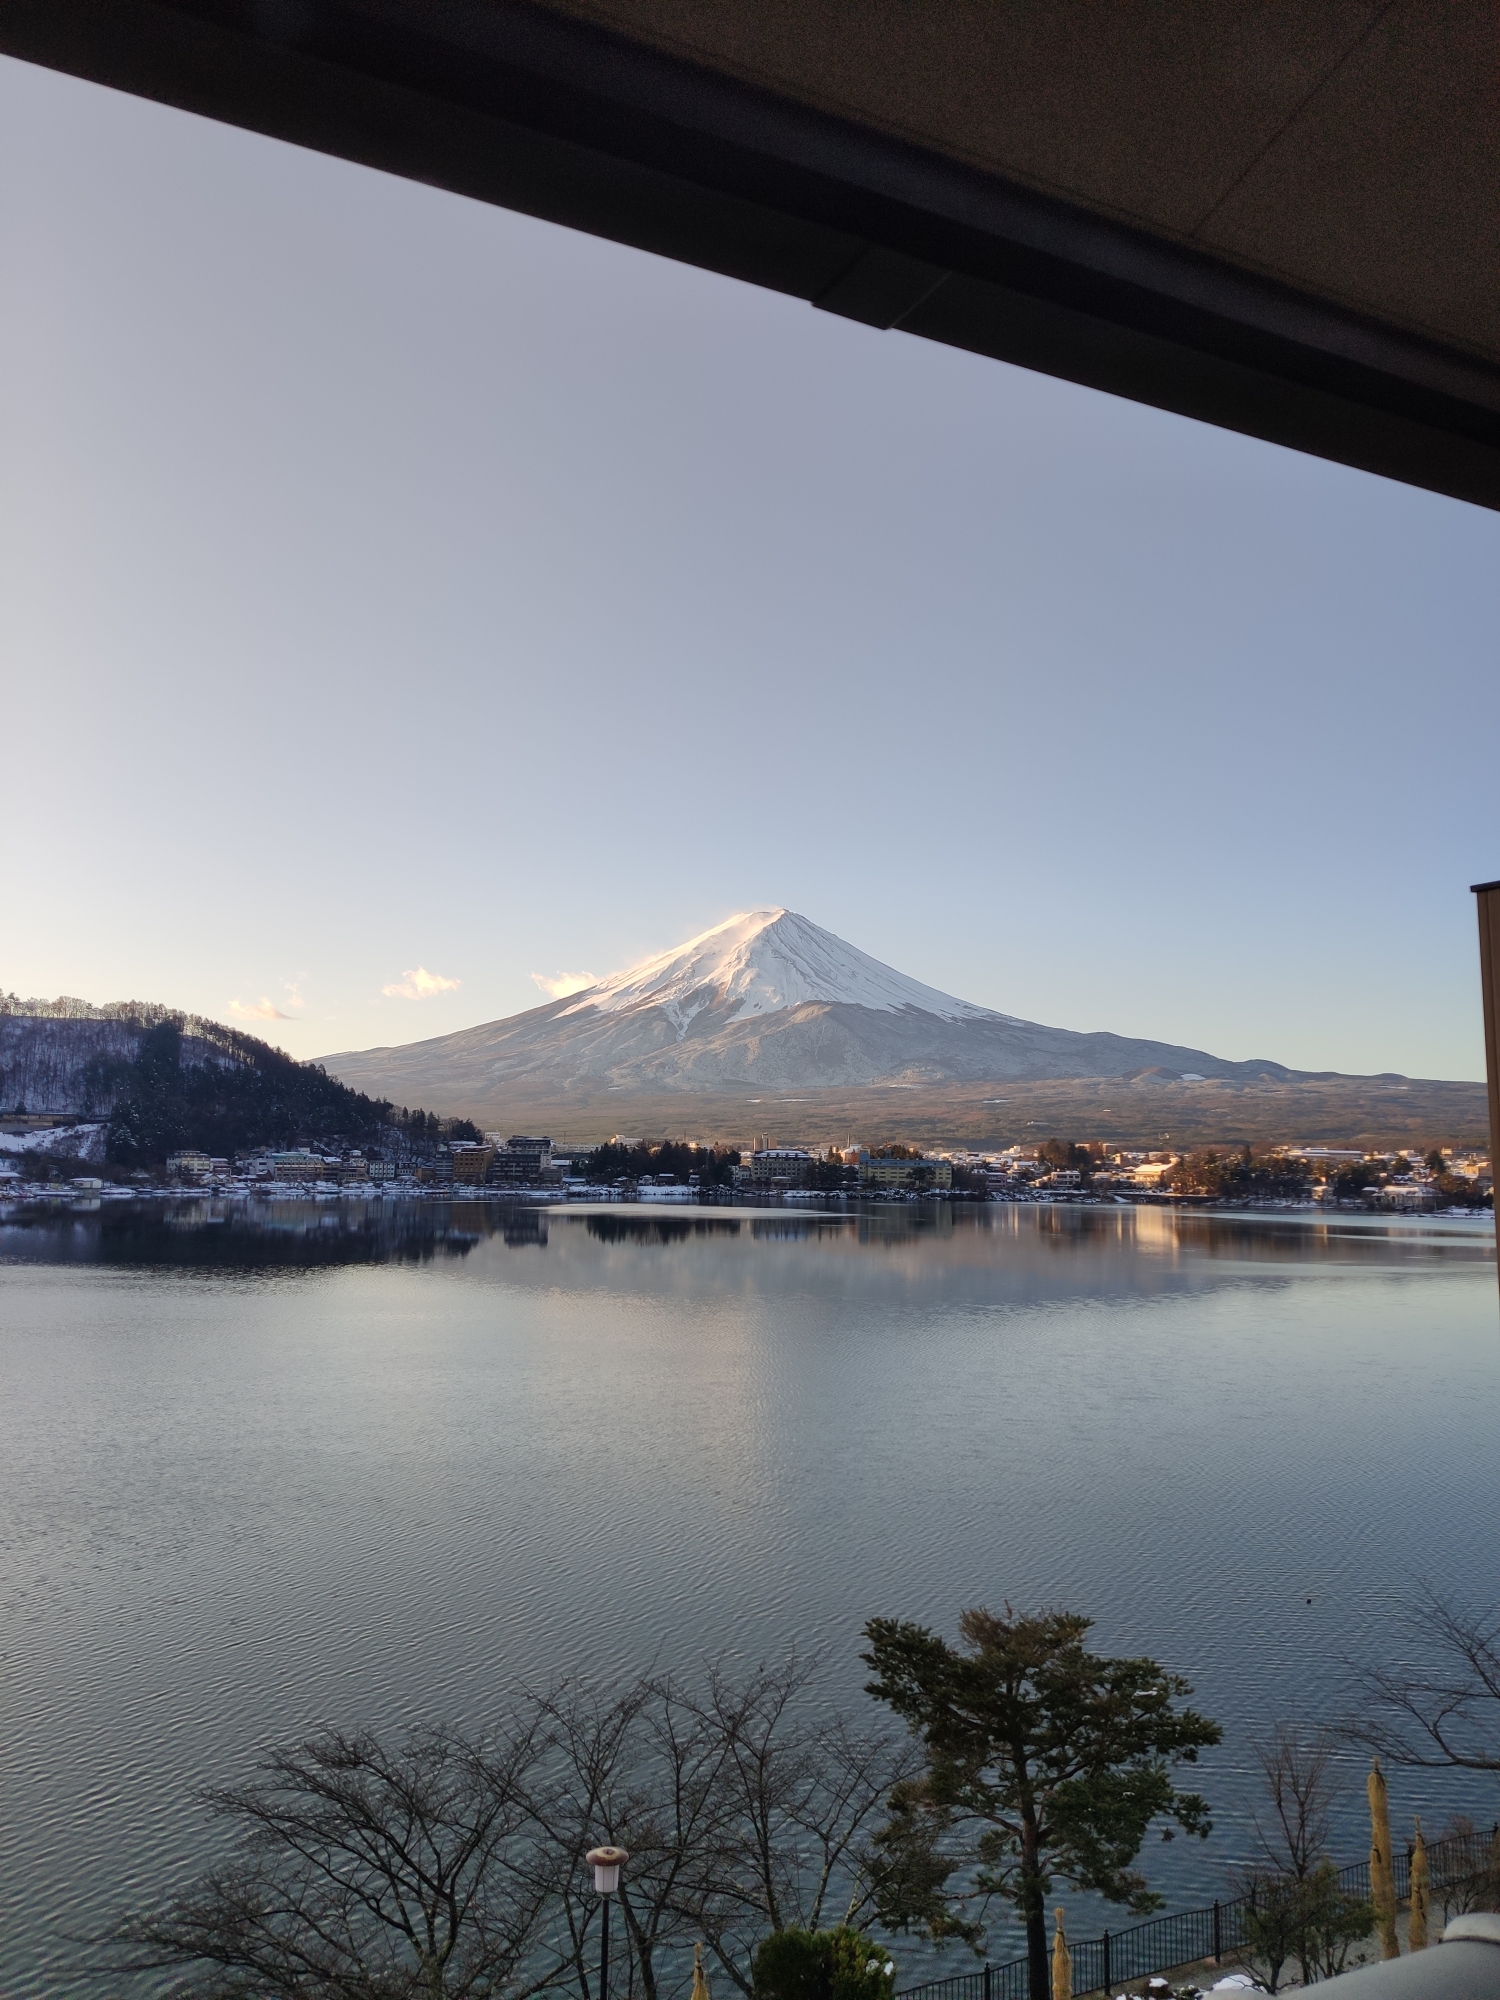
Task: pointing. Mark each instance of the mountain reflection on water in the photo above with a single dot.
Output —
(283, 1463)
(218, 1233)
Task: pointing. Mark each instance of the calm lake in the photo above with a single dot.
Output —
(318, 1464)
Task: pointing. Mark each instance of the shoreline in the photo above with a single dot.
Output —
(74, 1199)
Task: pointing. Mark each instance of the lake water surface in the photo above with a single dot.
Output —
(370, 1466)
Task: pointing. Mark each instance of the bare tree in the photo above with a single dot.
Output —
(1294, 1906)
(455, 1870)
(1445, 1713)
(360, 1872)
(1301, 1790)
(1270, 1922)
(1310, 1918)
(802, 1791)
(1468, 1876)
(643, 1771)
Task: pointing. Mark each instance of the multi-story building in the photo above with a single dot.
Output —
(190, 1166)
(1416, 1195)
(880, 1171)
(471, 1163)
(300, 1166)
(1148, 1173)
(780, 1166)
(522, 1162)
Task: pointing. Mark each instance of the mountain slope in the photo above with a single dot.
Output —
(766, 1000)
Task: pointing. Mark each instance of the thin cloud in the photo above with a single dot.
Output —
(265, 1010)
(420, 984)
(564, 984)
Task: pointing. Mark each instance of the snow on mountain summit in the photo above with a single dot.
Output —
(763, 962)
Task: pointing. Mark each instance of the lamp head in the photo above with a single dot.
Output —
(606, 1863)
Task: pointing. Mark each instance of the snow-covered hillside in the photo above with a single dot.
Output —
(76, 1065)
(759, 963)
(63, 1066)
(84, 1143)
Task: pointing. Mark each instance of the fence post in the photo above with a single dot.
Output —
(1108, 1980)
(1218, 1937)
(989, 1982)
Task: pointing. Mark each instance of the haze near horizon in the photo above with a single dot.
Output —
(411, 610)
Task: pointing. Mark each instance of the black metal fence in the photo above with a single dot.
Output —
(1215, 1932)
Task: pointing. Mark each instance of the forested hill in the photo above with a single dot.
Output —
(167, 1081)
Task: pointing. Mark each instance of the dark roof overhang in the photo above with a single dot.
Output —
(561, 118)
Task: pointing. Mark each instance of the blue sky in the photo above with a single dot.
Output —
(389, 584)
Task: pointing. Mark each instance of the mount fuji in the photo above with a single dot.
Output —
(766, 1000)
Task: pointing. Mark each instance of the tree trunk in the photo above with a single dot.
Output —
(639, 1947)
(1034, 1915)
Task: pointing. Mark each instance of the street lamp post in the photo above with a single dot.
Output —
(606, 1863)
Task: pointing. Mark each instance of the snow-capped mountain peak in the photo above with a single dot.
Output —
(763, 962)
(766, 1000)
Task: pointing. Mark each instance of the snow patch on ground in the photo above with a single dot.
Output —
(763, 962)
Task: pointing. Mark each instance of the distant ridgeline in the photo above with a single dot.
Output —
(167, 1081)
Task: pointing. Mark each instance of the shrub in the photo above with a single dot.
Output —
(841, 1964)
(1308, 1918)
(860, 1968)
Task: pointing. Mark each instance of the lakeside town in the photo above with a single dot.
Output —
(36, 1155)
